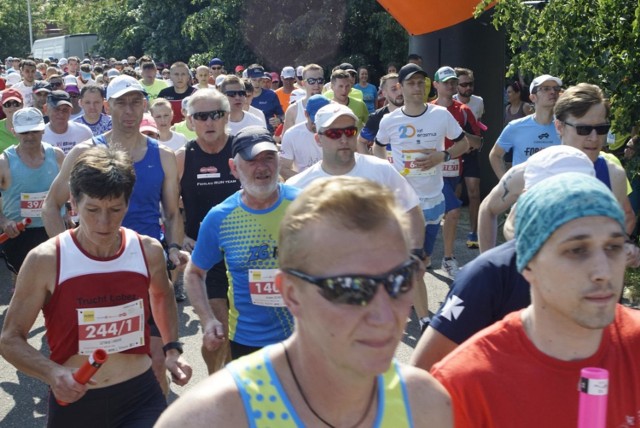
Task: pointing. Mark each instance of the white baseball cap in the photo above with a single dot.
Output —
(123, 85)
(555, 160)
(541, 79)
(329, 113)
(28, 119)
(288, 73)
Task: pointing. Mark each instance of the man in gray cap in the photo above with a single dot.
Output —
(26, 173)
(60, 131)
(243, 232)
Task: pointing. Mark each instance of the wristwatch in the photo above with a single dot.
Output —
(174, 245)
(173, 345)
(447, 156)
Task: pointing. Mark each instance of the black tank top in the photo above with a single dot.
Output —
(206, 181)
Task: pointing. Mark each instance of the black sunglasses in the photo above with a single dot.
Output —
(10, 104)
(359, 289)
(233, 94)
(465, 85)
(587, 129)
(313, 81)
(336, 133)
(213, 115)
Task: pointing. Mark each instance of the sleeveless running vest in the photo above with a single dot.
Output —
(300, 117)
(266, 403)
(143, 214)
(602, 171)
(28, 181)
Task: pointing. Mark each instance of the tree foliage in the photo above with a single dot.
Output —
(14, 27)
(594, 41)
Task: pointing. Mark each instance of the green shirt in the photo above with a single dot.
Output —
(7, 139)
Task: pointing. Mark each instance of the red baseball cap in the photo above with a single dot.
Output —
(11, 94)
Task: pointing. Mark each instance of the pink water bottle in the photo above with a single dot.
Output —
(593, 387)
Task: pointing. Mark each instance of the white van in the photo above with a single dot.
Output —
(64, 46)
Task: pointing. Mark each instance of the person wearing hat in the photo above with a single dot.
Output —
(490, 286)
(233, 87)
(61, 131)
(11, 103)
(41, 91)
(92, 103)
(337, 369)
(583, 105)
(266, 81)
(149, 82)
(570, 248)
(299, 149)
(429, 89)
(312, 79)
(216, 65)
(335, 132)
(288, 76)
(155, 189)
(97, 286)
(26, 173)
(416, 134)
(238, 70)
(531, 133)
(72, 87)
(446, 84)
(265, 99)
(181, 89)
(242, 230)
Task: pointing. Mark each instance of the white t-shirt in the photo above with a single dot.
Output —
(257, 112)
(371, 168)
(176, 141)
(476, 104)
(76, 133)
(411, 137)
(249, 119)
(300, 146)
(26, 91)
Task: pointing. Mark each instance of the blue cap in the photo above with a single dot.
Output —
(315, 103)
(216, 61)
(255, 72)
(251, 141)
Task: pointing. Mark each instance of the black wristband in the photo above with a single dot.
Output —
(174, 245)
(173, 345)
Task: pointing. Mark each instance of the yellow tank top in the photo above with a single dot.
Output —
(267, 405)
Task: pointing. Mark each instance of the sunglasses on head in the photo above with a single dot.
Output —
(587, 129)
(213, 115)
(465, 85)
(314, 81)
(10, 104)
(359, 290)
(233, 94)
(336, 133)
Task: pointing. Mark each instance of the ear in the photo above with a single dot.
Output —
(290, 293)
(234, 168)
(533, 98)
(559, 127)
(317, 138)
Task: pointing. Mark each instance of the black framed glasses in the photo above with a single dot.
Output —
(233, 94)
(587, 129)
(466, 84)
(213, 115)
(315, 81)
(337, 133)
(358, 289)
(10, 104)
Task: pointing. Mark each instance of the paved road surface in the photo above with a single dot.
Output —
(23, 400)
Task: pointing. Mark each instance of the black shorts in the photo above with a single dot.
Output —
(239, 350)
(16, 249)
(135, 403)
(471, 165)
(217, 281)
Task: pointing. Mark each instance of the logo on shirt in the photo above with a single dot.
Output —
(543, 136)
(208, 169)
(453, 308)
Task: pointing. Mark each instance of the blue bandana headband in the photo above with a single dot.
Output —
(554, 202)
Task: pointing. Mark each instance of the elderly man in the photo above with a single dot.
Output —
(242, 231)
(61, 131)
(350, 308)
(570, 248)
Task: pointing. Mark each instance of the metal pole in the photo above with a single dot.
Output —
(30, 29)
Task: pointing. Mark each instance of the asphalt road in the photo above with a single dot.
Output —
(23, 400)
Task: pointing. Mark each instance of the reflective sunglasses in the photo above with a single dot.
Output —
(213, 115)
(465, 85)
(10, 104)
(233, 94)
(359, 290)
(587, 129)
(314, 81)
(336, 133)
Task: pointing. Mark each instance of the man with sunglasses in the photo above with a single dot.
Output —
(11, 103)
(242, 231)
(205, 181)
(582, 121)
(216, 65)
(527, 370)
(234, 89)
(265, 99)
(149, 82)
(61, 131)
(347, 276)
(532, 133)
(312, 81)
(336, 133)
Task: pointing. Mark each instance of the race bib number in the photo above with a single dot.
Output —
(263, 288)
(114, 329)
(410, 169)
(451, 168)
(31, 204)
